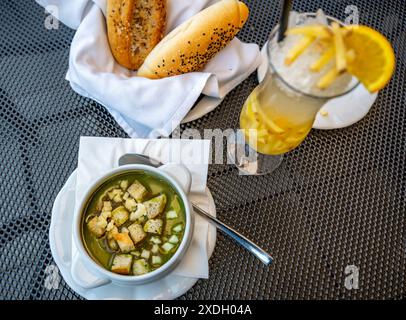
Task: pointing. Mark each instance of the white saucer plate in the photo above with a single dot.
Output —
(63, 249)
(340, 112)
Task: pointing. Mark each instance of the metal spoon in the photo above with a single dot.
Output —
(233, 234)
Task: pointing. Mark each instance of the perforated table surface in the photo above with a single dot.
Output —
(337, 200)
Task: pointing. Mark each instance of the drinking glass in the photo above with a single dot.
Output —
(278, 114)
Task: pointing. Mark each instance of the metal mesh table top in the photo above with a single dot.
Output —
(337, 200)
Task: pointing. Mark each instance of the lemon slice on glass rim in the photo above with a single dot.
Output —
(374, 61)
(357, 49)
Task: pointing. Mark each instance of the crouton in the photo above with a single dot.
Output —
(110, 225)
(122, 263)
(124, 185)
(105, 214)
(130, 204)
(153, 226)
(140, 267)
(136, 232)
(155, 206)
(138, 213)
(137, 191)
(120, 215)
(118, 198)
(107, 206)
(114, 192)
(124, 242)
(112, 230)
(97, 226)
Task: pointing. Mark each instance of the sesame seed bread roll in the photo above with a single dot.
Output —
(193, 43)
(134, 28)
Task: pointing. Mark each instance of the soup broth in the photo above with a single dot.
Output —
(133, 223)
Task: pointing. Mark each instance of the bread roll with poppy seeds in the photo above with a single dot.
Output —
(134, 28)
(193, 43)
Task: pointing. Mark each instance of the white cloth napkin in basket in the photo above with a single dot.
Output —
(143, 107)
(99, 155)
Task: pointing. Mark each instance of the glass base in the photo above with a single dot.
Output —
(247, 160)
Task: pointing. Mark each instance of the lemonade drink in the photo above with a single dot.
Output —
(281, 120)
(317, 60)
(279, 113)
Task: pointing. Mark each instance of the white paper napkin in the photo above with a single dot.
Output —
(143, 107)
(99, 155)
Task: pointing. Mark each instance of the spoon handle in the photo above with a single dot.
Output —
(236, 236)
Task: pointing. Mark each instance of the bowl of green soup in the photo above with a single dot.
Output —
(133, 225)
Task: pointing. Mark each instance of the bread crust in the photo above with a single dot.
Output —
(134, 28)
(193, 43)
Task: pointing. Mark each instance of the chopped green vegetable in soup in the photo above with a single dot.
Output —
(134, 223)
